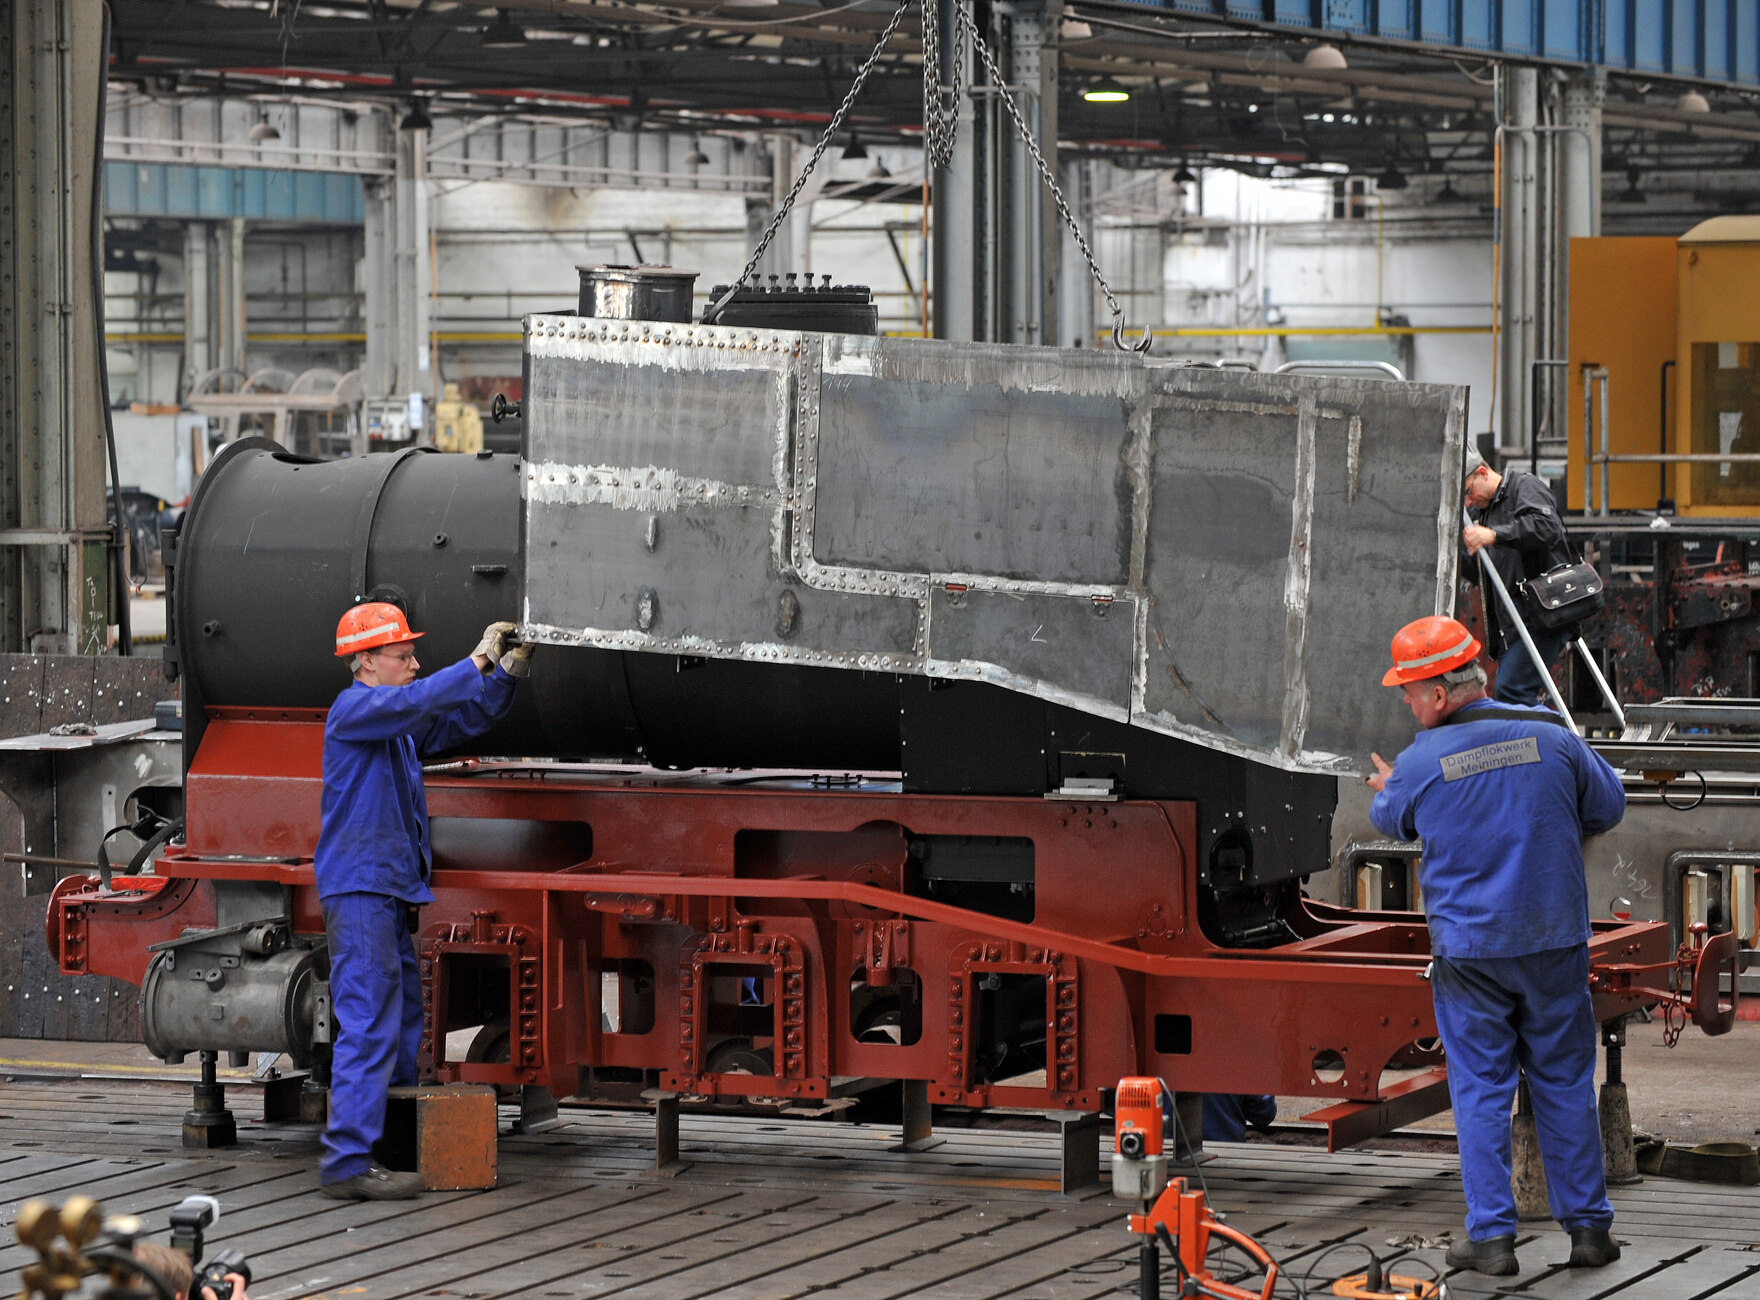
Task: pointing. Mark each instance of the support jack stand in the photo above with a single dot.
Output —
(208, 1123)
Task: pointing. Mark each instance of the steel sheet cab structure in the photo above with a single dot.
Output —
(953, 714)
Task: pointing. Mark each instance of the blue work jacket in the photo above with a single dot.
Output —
(1502, 808)
(373, 834)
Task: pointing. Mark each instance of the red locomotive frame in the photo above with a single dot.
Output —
(713, 881)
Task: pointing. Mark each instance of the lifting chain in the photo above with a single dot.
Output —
(942, 84)
(787, 205)
(940, 93)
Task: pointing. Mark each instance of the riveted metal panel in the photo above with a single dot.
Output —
(1022, 639)
(1213, 555)
(1030, 446)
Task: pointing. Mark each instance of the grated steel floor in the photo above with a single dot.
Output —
(765, 1209)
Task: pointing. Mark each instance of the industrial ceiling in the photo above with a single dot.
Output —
(1249, 96)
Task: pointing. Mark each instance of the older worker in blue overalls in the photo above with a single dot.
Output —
(1502, 795)
(372, 865)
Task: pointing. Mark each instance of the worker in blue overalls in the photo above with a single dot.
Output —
(1501, 796)
(372, 864)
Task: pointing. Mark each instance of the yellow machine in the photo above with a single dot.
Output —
(458, 425)
(1682, 313)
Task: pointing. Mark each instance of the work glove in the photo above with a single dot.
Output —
(494, 642)
(517, 662)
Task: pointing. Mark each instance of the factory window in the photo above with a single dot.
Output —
(626, 995)
(1725, 419)
(1350, 199)
(1173, 1035)
(886, 1014)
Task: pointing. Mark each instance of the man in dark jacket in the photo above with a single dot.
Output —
(372, 864)
(1501, 797)
(1516, 524)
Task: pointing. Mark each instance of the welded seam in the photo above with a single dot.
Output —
(647, 488)
(1297, 584)
(1448, 515)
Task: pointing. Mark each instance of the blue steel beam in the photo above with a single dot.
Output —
(1709, 40)
(152, 189)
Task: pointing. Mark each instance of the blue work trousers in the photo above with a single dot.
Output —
(1534, 1012)
(1518, 681)
(376, 991)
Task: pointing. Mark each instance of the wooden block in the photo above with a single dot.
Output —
(444, 1132)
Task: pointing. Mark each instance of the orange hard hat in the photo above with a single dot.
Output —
(1429, 647)
(370, 626)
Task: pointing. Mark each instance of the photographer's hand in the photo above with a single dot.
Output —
(237, 1289)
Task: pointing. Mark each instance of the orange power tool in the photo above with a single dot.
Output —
(1180, 1218)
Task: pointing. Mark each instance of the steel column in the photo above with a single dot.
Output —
(54, 589)
(1520, 268)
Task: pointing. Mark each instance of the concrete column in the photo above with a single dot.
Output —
(1521, 270)
(54, 587)
(198, 294)
(779, 258)
(379, 289)
(228, 282)
(1075, 296)
(1578, 180)
(414, 371)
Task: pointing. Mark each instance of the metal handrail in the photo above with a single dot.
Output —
(1509, 605)
(1317, 364)
(1597, 376)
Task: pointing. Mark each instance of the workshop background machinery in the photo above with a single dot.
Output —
(994, 668)
(1663, 384)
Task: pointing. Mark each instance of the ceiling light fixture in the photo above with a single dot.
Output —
(1107, 90)
(696, 157)
(879, 171)
(1185, 176)
(264, 131)
(1074, 29)
(751, 4)
(1692, 102)
(1325, 58)
(416, 119)
(503, 33)
(1391, 179)
(1447, 194)
(854, 150)
(1632, 194)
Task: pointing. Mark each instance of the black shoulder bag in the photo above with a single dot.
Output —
(1563, 596)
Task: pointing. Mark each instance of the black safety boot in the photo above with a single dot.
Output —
(1495, 1256)
(376, 1184)
(1592, 1247)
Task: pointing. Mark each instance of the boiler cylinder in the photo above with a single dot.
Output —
(275, 547)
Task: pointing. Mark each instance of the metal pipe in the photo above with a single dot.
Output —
(1509, 605)
(1534, 408)
(1619, 714)
(1606, 450)
(1681, 458)
(1588, 435)
(1662, 438)
(1386, 367)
